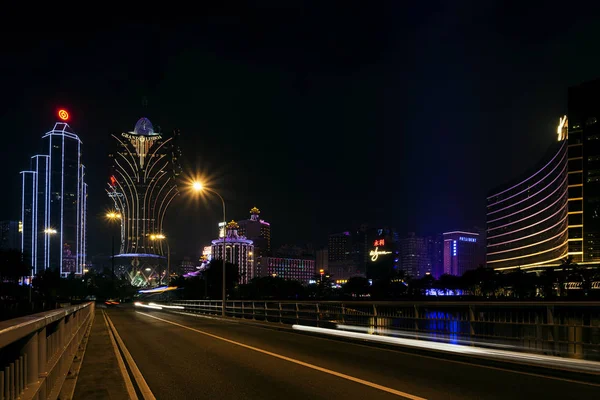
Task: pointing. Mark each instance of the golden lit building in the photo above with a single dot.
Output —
(528, 220)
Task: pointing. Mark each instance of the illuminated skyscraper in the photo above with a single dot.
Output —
(239, 251)
(53, 208)
(143, 184)
(554, 212)
(527, 220)
(461, 252)
(584, 171)
(257, 230)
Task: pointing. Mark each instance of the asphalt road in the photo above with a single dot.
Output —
(183, 361)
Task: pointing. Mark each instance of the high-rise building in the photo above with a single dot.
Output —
(460, 252)
(143, 183)
(54, 200)
(341, 263)
(322, 261)
(583, 135)
(415, 258)
(9, 235)
(238, 250)
(527, 220)
(435, 251)
(553, 212)
(339, 247)
(298, 269)
(257, 230)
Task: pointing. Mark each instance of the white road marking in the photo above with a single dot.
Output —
(137, 375)
(292, 360)
(126, 378)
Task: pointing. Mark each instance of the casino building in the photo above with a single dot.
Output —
(553, 212)
(142, 185)
(54, 203)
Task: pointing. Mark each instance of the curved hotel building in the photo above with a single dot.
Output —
(554, 212)
(527, 222)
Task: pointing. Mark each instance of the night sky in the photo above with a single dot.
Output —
(324, 115)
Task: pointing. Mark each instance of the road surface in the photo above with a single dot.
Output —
(189, 357)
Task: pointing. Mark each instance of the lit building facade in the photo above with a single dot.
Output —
(461, 251)
(257, 230)
(533, 222)
(53, 204)
(435, 251)
(238, 250)
(143, 184)
(583, 135)
(415, 259)
(10, 238)
(298, 269)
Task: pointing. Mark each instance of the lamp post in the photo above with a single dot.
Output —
(160, 236)
(113, 216)
(199, 187)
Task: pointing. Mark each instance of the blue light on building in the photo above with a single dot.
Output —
(53, 205)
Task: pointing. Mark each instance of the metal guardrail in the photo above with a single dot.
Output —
(570, 329)
(37, 351)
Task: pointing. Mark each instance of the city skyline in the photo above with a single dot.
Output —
(331, 133)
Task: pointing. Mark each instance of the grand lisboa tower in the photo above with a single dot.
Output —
(142, 185)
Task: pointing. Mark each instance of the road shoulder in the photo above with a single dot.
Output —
(100, 376)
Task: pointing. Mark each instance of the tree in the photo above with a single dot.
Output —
(356, 286)
(214, 277)
(12, 266)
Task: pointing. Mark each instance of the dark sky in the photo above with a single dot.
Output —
(322, 114)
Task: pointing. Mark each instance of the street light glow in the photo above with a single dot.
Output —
(113, 215)
(50, 231)
(197, 186)
(159, 236)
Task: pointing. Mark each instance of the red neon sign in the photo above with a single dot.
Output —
(113, 180)
(63, 114)
(379, 243)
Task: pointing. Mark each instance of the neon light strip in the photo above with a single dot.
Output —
(34, 251)
(460, 232)
(78, 211)
(47, 214)
(529, 255)
(562, 220)
(561, 186)
(529, 187)
(561, 209)
(133, 211)
(530, 197)
(541, 169)
(531, 245)
(537, 264)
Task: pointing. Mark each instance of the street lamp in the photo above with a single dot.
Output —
(160, 236)
(199, 187)
(112, 217)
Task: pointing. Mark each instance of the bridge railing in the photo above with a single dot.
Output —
(37, 351)
(558, 328)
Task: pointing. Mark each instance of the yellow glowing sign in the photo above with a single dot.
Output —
(376, 253)
(563, 128)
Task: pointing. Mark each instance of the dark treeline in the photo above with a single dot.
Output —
(566, 282)
(49, 290)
